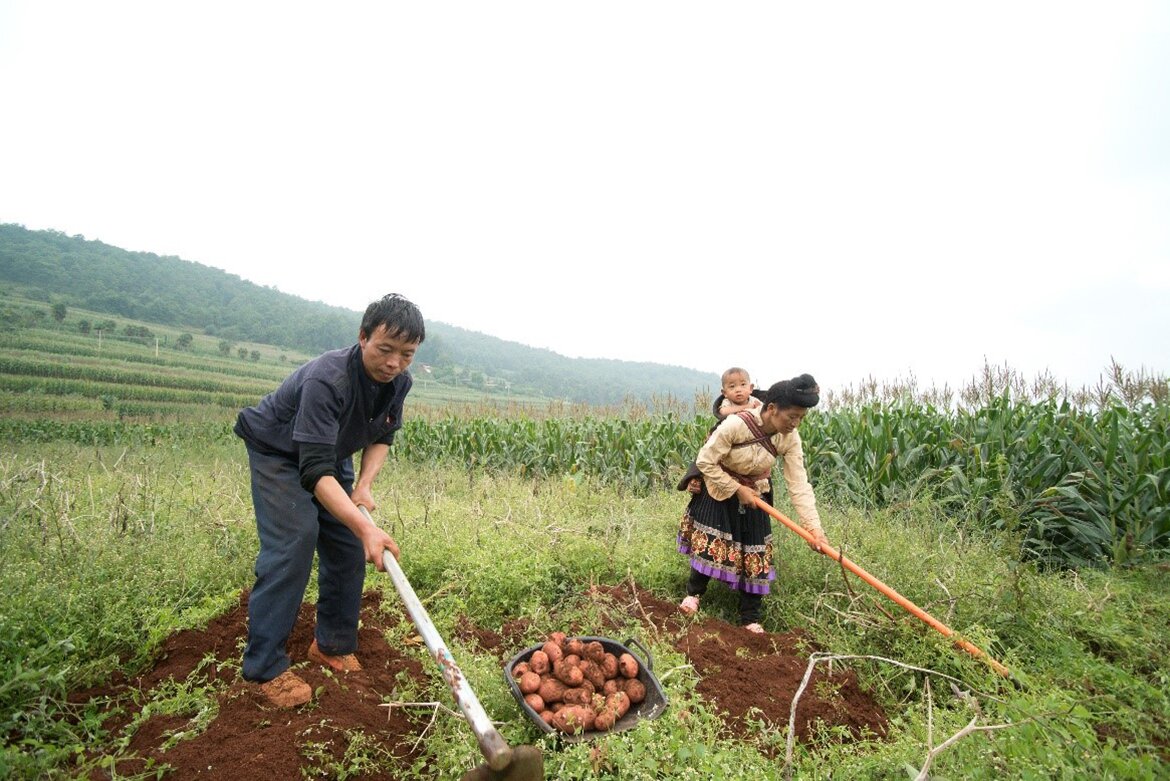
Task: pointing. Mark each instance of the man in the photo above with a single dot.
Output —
(301, 439)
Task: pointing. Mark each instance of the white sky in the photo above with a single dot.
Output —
(848, 189)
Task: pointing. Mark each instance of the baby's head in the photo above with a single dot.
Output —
(737, 385)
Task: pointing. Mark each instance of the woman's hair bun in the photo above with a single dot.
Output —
(806, 382)
(800, 391)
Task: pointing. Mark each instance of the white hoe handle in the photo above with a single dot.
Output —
(495, 750)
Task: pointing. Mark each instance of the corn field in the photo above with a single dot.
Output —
(1073, 483)
(1075, 488)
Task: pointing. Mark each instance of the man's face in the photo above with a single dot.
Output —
(737, 389)
(385, 355)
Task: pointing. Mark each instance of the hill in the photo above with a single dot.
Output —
(58, 269)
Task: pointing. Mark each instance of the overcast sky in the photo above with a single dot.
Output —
(846, 189)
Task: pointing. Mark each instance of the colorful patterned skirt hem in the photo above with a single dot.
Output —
(728, 542)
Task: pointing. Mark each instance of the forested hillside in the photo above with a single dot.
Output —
(74, 271)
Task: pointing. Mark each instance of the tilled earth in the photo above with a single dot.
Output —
(743, 675)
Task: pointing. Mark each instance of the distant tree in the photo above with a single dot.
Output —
(83, 326)
(243, 353)
(184, 341)
(255, 356)
(225, 346)
(59, 312)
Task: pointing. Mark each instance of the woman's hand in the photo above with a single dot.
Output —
(694, 485)
(747, 495)
(819, 539)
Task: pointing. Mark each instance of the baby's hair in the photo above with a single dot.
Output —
(732, 372)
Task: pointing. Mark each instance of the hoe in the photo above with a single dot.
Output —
(503, 762)
(897, 598)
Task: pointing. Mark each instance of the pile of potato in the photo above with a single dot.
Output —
(577, 686)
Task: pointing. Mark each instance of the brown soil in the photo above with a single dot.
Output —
(745, 676)
(750, 676)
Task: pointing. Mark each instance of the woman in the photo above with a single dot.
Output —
(725, 534)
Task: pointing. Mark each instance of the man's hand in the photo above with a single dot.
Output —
(374, 541)
(362, 497)
(694, 485)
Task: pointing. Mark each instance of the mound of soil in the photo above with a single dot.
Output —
(250, 739)
(746, 674)
(743, 675)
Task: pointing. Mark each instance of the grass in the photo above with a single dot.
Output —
(124, 516)
(107, 550)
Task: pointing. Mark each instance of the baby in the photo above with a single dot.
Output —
(737, 392)
(738, 395)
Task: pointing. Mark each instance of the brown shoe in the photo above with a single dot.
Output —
(342, 664)
(286, 690)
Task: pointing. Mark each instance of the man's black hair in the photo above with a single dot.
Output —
(401, 318)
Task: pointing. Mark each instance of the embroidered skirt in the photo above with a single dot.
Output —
(727, 544)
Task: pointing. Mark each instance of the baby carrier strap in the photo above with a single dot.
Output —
(748, 480)
(760, 438)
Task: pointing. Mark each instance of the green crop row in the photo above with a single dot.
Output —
(1073, 487)
(44, 343)
(114, 374)
(644, 454)
(90, 432)
(114, 392)
(1079, 486)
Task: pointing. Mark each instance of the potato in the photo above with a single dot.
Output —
(520, 669)
(546, 716)
(573, 719)
(616, 705)
(574, 646)
(592, 673)
(578, 695)
(635, 690)
(552, 651)
(610, 686)
(568, 674)
(557, 637)
(618, 702)
(551, 690)
(529, 682)
(538, 662)
(535, 702)
(594, 651)
(604, 720)
(609, 666)
(573, 659)
(628, 665)
(557, 707)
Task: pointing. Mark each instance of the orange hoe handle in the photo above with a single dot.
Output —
(900, 600)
